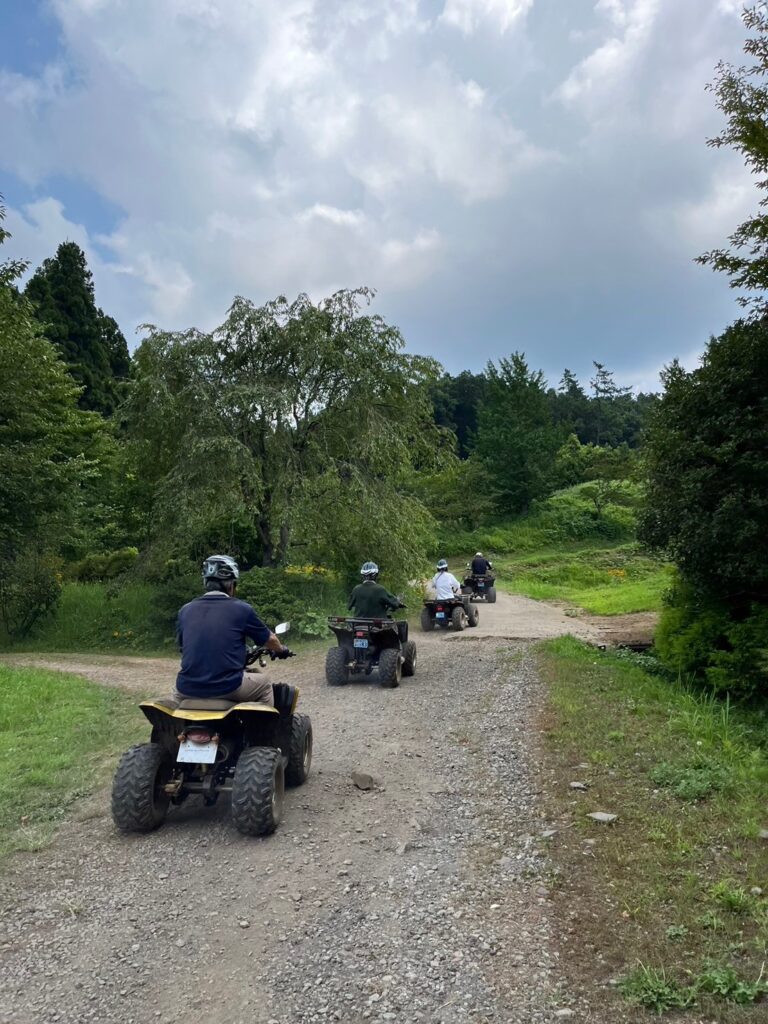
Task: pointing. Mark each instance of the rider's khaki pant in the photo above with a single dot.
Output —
(254, 689)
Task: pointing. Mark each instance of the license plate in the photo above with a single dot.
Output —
(439, 615)
(481, 585)
(360, 643)
(197, 753)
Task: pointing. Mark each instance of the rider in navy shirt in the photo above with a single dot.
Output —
(211, 632)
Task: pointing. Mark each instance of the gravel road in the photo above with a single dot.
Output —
(424, 899)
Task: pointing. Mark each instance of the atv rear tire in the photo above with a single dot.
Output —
(427, 622)
(490, 595)
(474, 615)
(257, 791)
(390, 668)
(139, 803)
(409, 658)
(336, 671)
(459, 619)
(300, 753)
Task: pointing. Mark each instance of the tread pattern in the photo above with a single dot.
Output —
(389, 668)
(258, 774)
(458, 619)
(336, 671)
(135, 807)
(409, 654)
(427, 622)
(296, 771)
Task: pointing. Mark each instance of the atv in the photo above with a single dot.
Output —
(214, 746)
(479, 586)
(455, 612)
(366, 644)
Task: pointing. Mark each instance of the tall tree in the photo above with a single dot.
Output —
(517, 440)
(285, 404)
(46, 447)
(742, 95)
(91, 344)
(457, 401)
(609, 401)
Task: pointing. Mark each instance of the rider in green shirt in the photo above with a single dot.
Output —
(369, 600)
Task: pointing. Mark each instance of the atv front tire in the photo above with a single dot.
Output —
(336, 670)
(300, 753)
(409, 658)
(427, 622)
(257, 791)
(459, 619)
(390, 668)
(474, 615)
(139, 802)
(490, 595)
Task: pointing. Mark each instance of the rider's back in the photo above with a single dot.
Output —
(211, 632)
(371, 601)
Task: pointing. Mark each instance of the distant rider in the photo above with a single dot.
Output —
(444, 583)
(480, 565)
(369, 600)
(211, 632)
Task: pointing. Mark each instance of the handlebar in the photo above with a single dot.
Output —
(255, 654)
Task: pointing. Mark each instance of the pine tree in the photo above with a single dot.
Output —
(91, 344)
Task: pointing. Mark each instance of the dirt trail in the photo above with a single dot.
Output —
(425, 899)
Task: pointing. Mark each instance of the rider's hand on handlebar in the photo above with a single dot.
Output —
(284, 652)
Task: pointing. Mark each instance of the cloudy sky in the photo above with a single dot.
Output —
(507, 174)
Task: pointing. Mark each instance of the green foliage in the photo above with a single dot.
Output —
(47, 453)
(305, 597)
(691, 781)
(30, 585)
(742, 95)
(59, 735)
(731, 896)
(459, 493)
(283, 408)
(90, 343)
(654, 990)
(457, 401)
(516, 438)
(104, 566)
(707, 462)
(700, 637)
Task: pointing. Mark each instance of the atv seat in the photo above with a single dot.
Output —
(206, 704)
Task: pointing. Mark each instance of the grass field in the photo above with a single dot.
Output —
(670, 899)
(603, 580)
(59, 737)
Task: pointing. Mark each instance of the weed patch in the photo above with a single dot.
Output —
(669, 898)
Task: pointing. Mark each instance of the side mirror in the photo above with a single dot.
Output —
(282, 628)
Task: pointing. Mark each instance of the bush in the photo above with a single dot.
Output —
(302, 595)
(30, 586)
(106, 566)
(724, 646)
(568, 515)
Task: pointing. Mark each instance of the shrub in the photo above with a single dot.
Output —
(106, 566)
(724, 646)
(30, 586)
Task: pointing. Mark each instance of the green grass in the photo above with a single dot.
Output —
(603, 580)
(98, 617)
(59, 737)
(671, 893)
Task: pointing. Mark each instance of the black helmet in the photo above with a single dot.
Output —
(220, 567)
(369, 571)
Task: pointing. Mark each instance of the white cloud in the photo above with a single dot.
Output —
(270, 146)
(592, 83)
(469, 15)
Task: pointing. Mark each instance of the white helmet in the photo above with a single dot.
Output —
(478, 554)
(369, 571)
(441, 565)
(220, 567)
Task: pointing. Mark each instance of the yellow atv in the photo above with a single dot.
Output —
(211, 747)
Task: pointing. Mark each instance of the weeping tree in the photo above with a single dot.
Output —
(275, 420)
